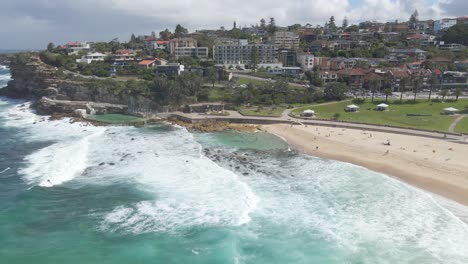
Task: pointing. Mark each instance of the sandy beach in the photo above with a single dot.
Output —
(434, 165)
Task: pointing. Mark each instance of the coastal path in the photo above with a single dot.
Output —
(455, 123)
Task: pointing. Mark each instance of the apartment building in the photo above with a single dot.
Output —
(181, 43)
(241, 53)
(199, 52)
(285, 40)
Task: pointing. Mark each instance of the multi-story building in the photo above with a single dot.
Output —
(92, 57)
(306, 60)
(199, 52)
(288, 58)
(76, 47)
(285, 40)
(242, 54)
(444, 24)
(181, 43)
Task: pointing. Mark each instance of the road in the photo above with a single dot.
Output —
(263, 79)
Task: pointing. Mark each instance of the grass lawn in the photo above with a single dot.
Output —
(396, 116)
(215, 95)
(462, 126)
(261, 111)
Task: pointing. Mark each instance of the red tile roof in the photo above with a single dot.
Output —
(146, 62)
(161, 42)
(353, 72)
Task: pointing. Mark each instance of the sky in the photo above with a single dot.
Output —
(31, 24)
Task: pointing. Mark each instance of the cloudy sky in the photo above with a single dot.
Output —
(30, 24)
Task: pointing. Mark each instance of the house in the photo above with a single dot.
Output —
(181, 43)
(453, 79)
(75, 47)
(412, 52)
(354, 77)
(160, 61)
(92, 57)
(328, 76)
(170, 69)
(461, 65)
(444, 24)
(147, 64)
(124, 56)
(395, 75)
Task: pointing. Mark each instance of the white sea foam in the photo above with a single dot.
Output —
(359, 210)
(191, 190)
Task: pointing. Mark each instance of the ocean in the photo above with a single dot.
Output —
(74, 193)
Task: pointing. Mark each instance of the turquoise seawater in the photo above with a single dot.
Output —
(71, 193)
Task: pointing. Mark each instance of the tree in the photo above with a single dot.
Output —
(262, 23)
(254, 58)
(335, 91)
(234, 25)
(443, 93)
(165, 35)
(374, 85)
(272, 26)
(434, 81)
(414, 19)
(457, 93)
(179, 31)
(456, 34)
(50, 47)
(388, 92)
(345, 22)
(331, 23)
(417, 82)
(212, 75)
(352, 28)
(403, 82)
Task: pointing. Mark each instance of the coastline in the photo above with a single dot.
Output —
(434, 165)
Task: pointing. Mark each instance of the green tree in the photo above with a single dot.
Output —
(179, 31)
(352, 28)
(335, 91)
(254, 58)
(165, 34)
(331, 23)
(434, 81)
(272, 26)
(50, 47)
(345, 23)
(212, 76)
(402, 87)
(457, 34)
(374, 85)
(444, 94)
(417, 83)
(457, 93)
(262, 23)
(388, 92)
(414, 19)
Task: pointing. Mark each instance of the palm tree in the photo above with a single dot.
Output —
(416, 86)
(443, 93)
(433, 83)
(374, 84)
(457, 93)
(403, 82)
(388, 92)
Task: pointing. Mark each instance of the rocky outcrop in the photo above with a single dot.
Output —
(46, 106)
(33, 79)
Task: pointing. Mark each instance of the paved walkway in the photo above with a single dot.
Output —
(262, 79)
(235, 117)
(455, 123)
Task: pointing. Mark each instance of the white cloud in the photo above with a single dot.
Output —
(63, 20)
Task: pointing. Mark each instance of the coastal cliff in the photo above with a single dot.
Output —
(33, 80)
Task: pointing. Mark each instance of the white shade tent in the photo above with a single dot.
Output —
(382, 107)
(451, 110)
(308, 112)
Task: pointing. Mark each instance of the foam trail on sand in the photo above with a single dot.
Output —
(5, 170)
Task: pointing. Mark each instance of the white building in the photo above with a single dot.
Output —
(444, 24)
(241, 54)
(90, 57)
(75, 47)
(306, 60)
